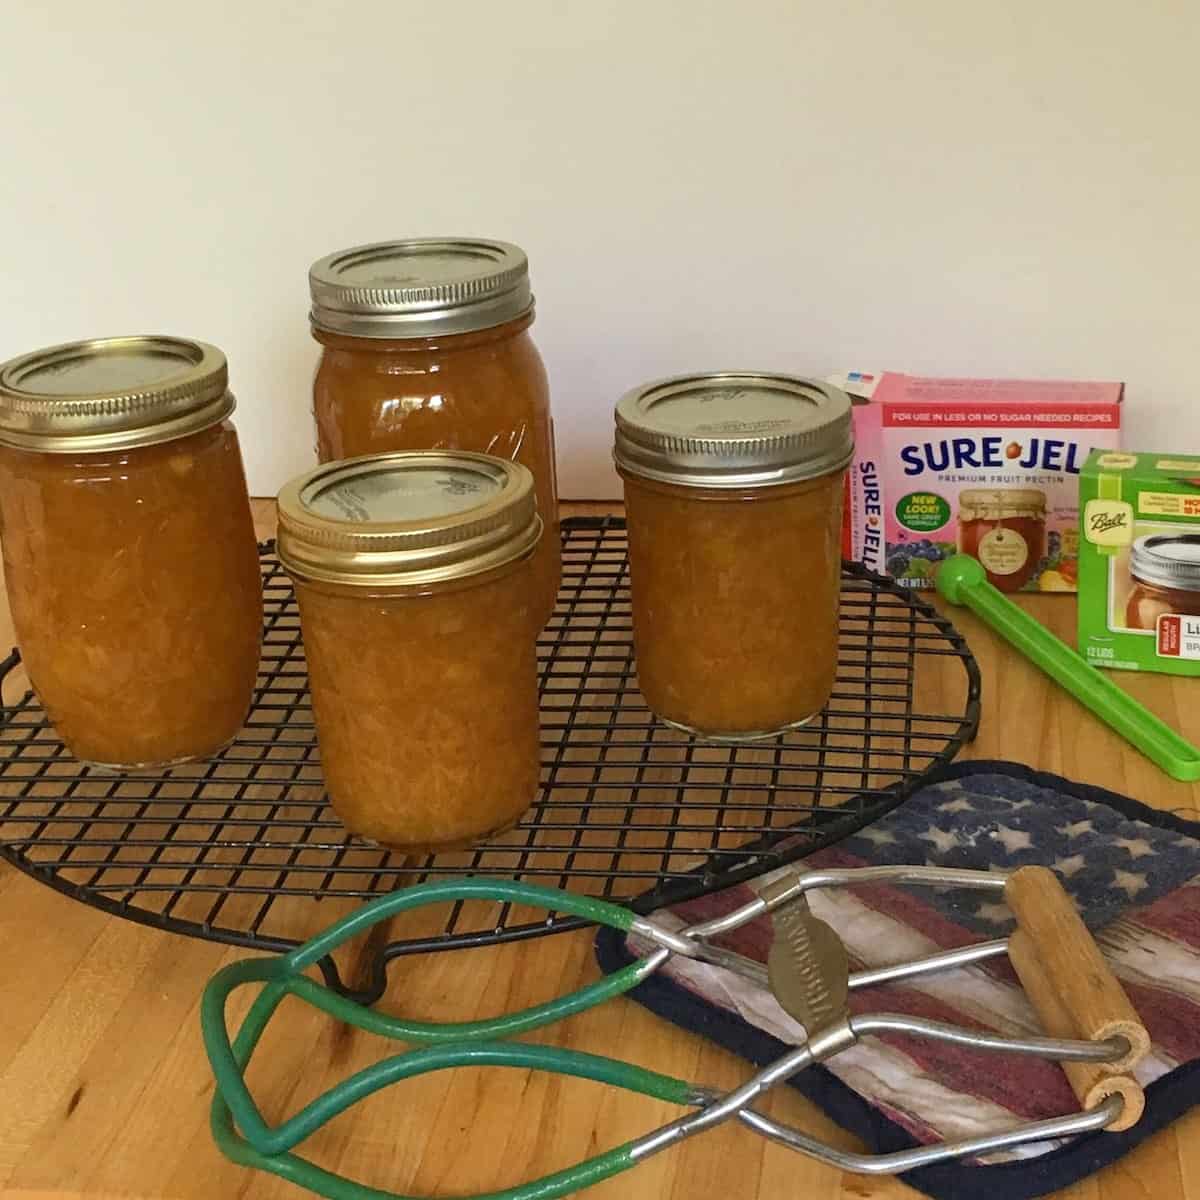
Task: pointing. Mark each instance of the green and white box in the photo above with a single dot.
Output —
(1139, 562)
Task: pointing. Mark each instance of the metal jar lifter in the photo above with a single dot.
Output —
(1090, 1026)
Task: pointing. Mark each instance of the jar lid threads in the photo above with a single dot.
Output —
(112, 394)
(733, 429)
(408, 518)
(1167, 560)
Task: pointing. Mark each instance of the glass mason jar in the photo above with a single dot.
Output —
(418, 601)
(1005, 529)
(129, 549)
(426, 345)
(1165, 572)
(733, 495)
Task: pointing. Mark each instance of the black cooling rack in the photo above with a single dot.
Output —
(243, 848)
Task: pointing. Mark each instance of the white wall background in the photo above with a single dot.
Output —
(942, 186)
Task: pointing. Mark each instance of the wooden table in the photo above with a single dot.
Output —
(104, 1087)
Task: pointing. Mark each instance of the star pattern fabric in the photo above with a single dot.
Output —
(1098, 853)
(1135, 876)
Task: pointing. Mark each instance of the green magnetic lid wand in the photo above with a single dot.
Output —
(962, 580)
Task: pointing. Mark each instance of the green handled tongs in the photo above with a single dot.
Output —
(807, 971)
(962, 580)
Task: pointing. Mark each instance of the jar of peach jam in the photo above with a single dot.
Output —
(129, 549)
(426, 345)
(733, 493)
(418, 602)
(1005, 529)
(1164, 570)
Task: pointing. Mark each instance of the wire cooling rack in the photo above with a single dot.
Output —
(244, 849)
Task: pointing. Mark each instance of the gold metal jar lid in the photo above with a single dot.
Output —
(112, 394)
(998, 504)
(1169, 560)
(420, 287)
(733, 429)
(414, 517)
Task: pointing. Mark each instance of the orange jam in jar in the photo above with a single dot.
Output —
(129, 550)
(414, 575)
(426, 345)
(1165, 572)
(1005, 529)
(733, 495)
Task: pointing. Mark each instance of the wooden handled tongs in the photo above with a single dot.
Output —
(1090, 1026)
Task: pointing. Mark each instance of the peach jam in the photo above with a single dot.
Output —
(1005, 529)
(129, 549)
(426, 345)
(414, 575)
(733, 494)
(1164, 570)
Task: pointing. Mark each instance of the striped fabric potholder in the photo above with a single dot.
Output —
(1135, 874)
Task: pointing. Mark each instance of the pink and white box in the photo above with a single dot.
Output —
(921, 443)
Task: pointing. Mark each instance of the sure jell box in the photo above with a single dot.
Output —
(1139, 562)
(989, 467)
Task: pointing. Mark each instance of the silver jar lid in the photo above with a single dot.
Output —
(733, 429)
(112, 394)
(420, 287)
(1167, 560)
(409, 518)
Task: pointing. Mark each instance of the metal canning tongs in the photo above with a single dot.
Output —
(1095, 1033)
(1092, 1028)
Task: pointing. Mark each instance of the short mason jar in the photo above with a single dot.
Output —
(1164, 570)
(419, 613)
(426, 346)
(733, 495)
(129, 549)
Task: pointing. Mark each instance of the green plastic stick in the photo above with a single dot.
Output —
(962, 580)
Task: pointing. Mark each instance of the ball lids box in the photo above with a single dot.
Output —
(1139, 562)
(986, 466)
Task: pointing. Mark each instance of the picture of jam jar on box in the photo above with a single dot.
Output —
(1164, 570)
(419, 611)
(1005, 529)
(129, 549)
(426, 346)
(733, 494)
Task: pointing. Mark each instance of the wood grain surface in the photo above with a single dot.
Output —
(104, 1087)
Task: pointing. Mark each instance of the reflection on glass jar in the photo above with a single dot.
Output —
(426, 345)
(129, 548)
(1165, 572)
(1005, 529)
(733, 493)
(418, 608)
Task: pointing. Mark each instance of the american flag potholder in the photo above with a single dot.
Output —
(1135, 875)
